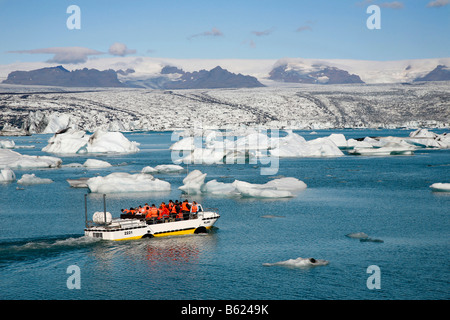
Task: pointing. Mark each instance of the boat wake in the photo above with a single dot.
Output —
(30, 249)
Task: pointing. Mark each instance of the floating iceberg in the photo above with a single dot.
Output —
(443, 187)
(7, 144)
(95, 163)
(124, 182)
(78, 183)
(299, 263)
(7, 175)
(294, 145)
(428, 139)
(12, 159)
(75, 141)
(29, 179)
(215, 187)
(194, 183)
(357, 235)
(163, 168)
(106, 142)
(389, 148)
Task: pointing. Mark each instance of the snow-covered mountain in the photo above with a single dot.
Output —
(146, 68)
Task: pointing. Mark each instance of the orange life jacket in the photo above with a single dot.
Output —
(184, 206)
(132, 211)
(174, 209)
(180, 215)
(194, 208)
(154, 212)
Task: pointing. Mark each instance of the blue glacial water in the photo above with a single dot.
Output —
(387, 198)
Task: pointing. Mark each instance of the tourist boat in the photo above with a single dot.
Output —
(130, 228)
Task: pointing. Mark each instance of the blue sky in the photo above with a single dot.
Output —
(243, 29)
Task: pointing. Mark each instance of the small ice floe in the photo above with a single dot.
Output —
(95, 163)
(163, 168)
(193, 182)
(7, 175)
(271, 216)
(121, 182)
(357, 235)
(440, 187)
(78, 183)
(29, 179)
(299, 263)
(363, 237)
(7, 144)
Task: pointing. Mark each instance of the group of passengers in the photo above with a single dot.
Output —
(173, 211)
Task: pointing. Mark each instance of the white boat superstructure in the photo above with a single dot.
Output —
(130, 228)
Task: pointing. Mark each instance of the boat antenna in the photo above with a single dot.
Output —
(104, 208)
(85, 210)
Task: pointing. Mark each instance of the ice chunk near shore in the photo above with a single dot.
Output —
(299, 263)
(118, 182)
(30, 179)
(95, 163)
(76, 141)
(7, 144)
(12, 159)
(7, 175)
(442, 187)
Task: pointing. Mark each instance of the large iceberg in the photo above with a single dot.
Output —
(219, 149)
(75, 141)
(194, 183)
(294, 145)
(118, 182)
(12, 159)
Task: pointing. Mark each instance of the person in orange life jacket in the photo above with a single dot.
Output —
(185, 208)
(170, 205)
(175, 209)
(153, 213)
(132, 211)
(164, 211)
(194, 209)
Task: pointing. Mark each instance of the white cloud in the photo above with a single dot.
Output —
(64, 54)
(120, 49)
(213, 33)
(438, 3)
(262, 33)
(392, 5)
